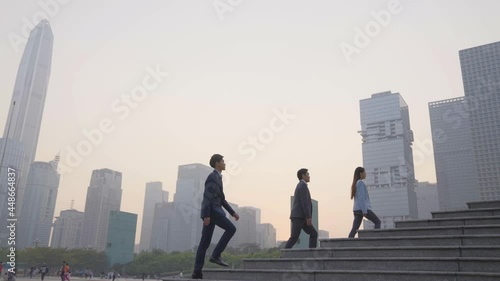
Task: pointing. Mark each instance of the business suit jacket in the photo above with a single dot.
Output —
(213, 198)
(302, 204)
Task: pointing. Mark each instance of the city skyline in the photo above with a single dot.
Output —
(269, 87)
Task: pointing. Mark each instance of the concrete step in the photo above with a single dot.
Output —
(395, 251)
(431, 231)
(401, 264)
(484, 204)
(443, 240)
(345, 275)
(483, 212)
(493, 220)
(189, 278)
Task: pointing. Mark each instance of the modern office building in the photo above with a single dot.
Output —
(303, 242)
(67, 230)
(35, 220)
(11, 159)
(427, 199)
(456, 171)
(121, 237)
(28, 100)
(481, 78)
(187, 201)
(163, 222)
(24, 119)
(323, 234)
(104, 195)
(246, 233)
(388, 158)
(267, 236)
(154, 194)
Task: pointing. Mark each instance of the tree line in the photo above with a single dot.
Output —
(155, 263)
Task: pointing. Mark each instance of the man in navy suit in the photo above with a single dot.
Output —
(212, 215)
(301, 214)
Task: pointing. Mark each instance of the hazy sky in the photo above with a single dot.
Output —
(238, 70)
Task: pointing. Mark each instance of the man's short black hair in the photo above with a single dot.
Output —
(301, 172)
(214, 159)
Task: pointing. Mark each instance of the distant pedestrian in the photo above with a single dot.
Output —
(302, 210)
(362, 206)
(43, 270)
(62, 270)
(32, 269)
(143, 276)
(67, 272)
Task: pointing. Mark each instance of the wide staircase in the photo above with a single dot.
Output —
(453, 246)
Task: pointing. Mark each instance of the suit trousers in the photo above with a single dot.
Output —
(206, 238)
(297, 225)
(358, 218)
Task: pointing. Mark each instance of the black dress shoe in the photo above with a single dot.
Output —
(218, 261)
(197, 275)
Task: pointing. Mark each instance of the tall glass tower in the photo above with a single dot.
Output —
(154, 194)
(481, 78)
(453, 154)
(26, 109)
(35, 220)
(388, 157)
(103, 196)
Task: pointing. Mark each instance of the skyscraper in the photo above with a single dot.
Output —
(267, 236)
(154, 194)
(163, 221)
(456, 171)
(35, 221)
(323, 234)
(247, 227)
(481, 78)
(25, 115)
(103, 196)
(388, 157)
(11, 157)
(427, 199)
(29, 96)
(67, 230)
(187, 201)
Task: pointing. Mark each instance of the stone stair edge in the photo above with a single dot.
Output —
(379, 259)
(450, 219)
(184, 278)
(393, 247)
(431, 228)
(354, 272)
(410, 237)
(467, 211)
(482, 202)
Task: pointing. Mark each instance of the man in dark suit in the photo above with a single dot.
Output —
(301, 215)
(212, 215)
